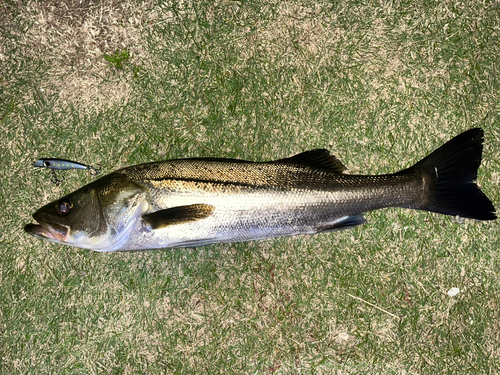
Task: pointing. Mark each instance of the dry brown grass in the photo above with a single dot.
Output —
(73, 36)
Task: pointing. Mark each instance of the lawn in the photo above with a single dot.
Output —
(379, 83)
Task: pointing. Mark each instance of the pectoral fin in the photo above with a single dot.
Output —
(178, 215)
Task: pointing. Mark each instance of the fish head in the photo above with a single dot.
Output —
(99, 216)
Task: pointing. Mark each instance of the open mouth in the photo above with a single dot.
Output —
(48, 231)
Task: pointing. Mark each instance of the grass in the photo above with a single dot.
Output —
(381, 84)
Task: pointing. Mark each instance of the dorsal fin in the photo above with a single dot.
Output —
(317, 158)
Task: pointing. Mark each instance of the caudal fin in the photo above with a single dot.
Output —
(452, 169)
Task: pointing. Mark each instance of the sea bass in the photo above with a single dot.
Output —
(195, 202)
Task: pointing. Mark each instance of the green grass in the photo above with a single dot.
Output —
(380, 84)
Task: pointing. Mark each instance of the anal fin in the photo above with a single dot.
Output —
(178, 215)
(344, 222)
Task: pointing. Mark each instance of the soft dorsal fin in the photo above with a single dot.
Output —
(317, 158)
(178, 215)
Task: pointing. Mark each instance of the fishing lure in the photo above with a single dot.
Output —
(63, 165)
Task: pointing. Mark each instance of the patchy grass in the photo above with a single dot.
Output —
(381, 84)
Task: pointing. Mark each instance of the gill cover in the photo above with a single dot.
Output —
(98, 216)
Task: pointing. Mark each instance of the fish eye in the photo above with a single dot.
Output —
(63, 207)
(46, 163)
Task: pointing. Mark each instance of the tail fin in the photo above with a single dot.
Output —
(452, 169)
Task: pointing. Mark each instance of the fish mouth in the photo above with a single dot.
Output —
(48, 231)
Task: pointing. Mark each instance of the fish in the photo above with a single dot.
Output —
(200, 201)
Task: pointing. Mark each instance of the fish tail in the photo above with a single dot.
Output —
(451, 171)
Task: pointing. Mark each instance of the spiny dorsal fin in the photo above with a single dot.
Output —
(178, 215)
(317, 158)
